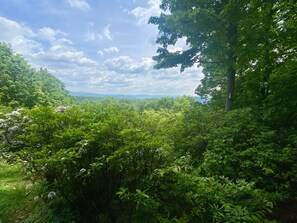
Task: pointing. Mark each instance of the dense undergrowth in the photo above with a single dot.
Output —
(117, 161)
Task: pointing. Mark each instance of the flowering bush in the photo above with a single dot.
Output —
(113, 163)
(12, 125)
(84, 155)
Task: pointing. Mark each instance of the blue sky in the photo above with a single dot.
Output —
(98, 46)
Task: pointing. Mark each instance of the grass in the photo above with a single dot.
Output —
(17, 204)
(15, 201)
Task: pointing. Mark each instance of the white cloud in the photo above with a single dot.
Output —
(93, 35)
(68, 56)
(11, 28)
(50, 34)
(109, 50)
(79, 4)
(25, 41)
(127, 65)
(19, 36)
(125, 75)
(100, 53)
(79, 72)
(143, 14)
(106, 32)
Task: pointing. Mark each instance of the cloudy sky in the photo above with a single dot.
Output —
(98, 46)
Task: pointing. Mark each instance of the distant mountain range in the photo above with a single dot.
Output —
(120, 96)
(124, 96)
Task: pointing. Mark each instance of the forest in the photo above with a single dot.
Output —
(230, 158)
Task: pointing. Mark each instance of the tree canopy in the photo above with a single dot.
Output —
(21, 85)
(238, 43)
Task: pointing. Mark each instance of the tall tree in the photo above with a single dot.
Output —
(267, 59)
(211, 32)
(245, 43)
(281, 102)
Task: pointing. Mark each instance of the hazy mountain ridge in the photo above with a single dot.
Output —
(125, 96)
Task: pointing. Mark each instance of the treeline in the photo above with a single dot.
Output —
(21, 85)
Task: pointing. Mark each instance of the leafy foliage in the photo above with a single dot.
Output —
(168, 160)
(87, 155)
(112, 162)
(21, 85)
(241, 62)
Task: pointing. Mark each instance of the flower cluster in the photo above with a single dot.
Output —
(51, 195)
(62, 108)
(11, 126)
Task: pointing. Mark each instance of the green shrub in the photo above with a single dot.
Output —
(112, 163)
(85, 155)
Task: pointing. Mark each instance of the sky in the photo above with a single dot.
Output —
(95, 46)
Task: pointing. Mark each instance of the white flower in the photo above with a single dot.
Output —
(62, 108)
(36, 199)
(13, 128)
(2, 121)
(29, 186)
(15, 113)
(26, 118)
(51, 195)
(82, 170)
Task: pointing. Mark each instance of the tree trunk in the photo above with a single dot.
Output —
(232, 37)
(230, 88)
